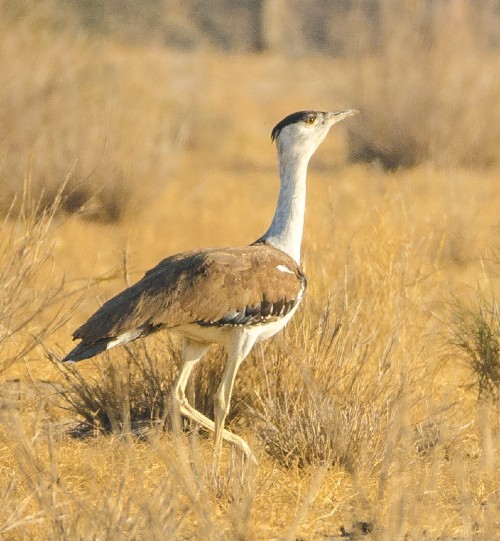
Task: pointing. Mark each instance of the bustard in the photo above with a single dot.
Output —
(230, 296)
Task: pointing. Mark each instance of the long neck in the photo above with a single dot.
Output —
(286, 228)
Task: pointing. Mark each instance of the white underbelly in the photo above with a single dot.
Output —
(202, 333)
(221, 334)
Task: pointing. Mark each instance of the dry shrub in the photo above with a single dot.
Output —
(72, 106)
(321, 401)
(30, 298)
(431, 90)
(475, 335)
(126, 393)
(332, 389)
(129, 389)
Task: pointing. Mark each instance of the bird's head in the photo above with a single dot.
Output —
(301, 133)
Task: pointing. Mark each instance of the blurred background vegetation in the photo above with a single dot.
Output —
(79, 77)
(338, 28)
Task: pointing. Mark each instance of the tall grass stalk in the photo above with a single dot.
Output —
(25, 259)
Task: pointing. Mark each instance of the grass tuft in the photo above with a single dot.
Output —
(322, 402)
(130, 394)
(475, 334)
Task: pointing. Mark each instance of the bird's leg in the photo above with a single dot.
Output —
(238, 349)
(193, 352)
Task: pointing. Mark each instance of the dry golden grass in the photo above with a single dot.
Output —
(361, 411)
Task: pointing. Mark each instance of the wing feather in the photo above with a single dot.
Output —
(212, 287)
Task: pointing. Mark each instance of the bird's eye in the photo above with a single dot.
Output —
(311, 119)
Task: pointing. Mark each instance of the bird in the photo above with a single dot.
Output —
(235, 297)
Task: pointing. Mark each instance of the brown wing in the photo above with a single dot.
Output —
(234, 286)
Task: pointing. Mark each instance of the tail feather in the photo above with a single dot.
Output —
(85, 351)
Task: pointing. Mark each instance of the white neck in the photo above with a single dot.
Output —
(285, 232)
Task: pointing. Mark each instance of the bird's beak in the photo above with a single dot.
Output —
(333, 118)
